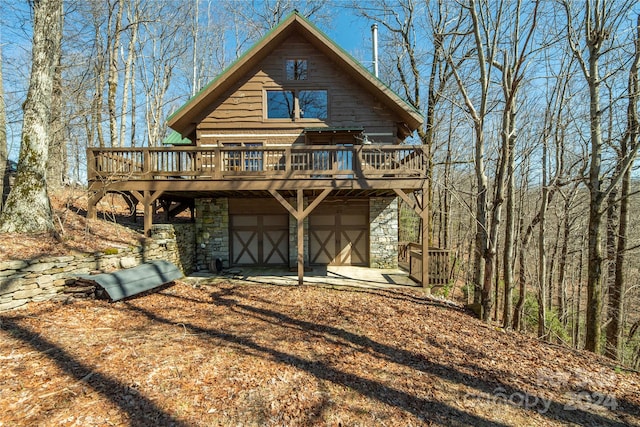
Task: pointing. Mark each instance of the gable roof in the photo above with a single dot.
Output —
(184, 119)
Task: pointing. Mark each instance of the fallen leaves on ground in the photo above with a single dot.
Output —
(232, 353)
(74, 233)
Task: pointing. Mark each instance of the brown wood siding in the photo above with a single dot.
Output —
(241, 108)
(256, 206)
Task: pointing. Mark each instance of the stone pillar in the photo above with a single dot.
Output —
(383, 232)
(212, 232)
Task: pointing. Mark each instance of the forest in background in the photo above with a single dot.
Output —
(531, 119)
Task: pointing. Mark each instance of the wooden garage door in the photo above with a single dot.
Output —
(259, 239)
(259, 232)
(339, 235)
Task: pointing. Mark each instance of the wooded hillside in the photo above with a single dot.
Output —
(226, 352)
(531, 119)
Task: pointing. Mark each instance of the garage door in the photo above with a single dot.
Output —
(259, 232)
(339, 235)
(260, 239)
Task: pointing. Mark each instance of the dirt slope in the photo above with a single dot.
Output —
(74, 233)
(223, 353)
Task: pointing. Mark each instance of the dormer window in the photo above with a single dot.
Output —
(296, 69)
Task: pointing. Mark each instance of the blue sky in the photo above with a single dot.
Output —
(352, 33)
(349, 31)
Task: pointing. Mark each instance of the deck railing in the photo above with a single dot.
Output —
(251, 162)
(410, 258)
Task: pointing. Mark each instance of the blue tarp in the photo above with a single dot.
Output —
(132, 281)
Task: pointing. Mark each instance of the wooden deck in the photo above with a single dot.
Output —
(302, 172)
(255, 168)
(410, 259)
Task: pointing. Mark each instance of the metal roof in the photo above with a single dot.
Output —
(175, 138)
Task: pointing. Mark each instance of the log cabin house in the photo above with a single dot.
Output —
(295, 155)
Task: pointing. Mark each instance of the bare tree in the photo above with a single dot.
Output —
(598, 23)
(28, 208)
(162, 49)
(627, 150)
(408, 57)
(521, 25)
(484, 24)
(113, 47)
(57, 162)
(133, 17)
(3, 138)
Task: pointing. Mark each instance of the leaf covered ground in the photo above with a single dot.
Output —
(220, 352)
(74, 233)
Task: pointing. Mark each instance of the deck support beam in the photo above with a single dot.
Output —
(425, 216)
(300, 213)
(92, 202)
(421, 207)
(147, 198)
(300, 222)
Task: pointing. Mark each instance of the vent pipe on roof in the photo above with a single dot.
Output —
(374, 36)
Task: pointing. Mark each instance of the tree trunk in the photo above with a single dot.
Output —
(562, 265)
(98, 96)
(551, 268)
(596, 199)
(3, 140)
(613, 297)
(509, 243)
(57, 162)
(128, 71)
(113, 44)
(482, 278)
(576, 325)
(522, 279)
(617, 285)
(542, 255)
(28, 208)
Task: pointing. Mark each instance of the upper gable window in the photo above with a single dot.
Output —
(312, 104)
(297, 69)
(297, 104)
(280, 104)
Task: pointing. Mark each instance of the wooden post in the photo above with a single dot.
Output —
(217, 163)
(94, 198)
(146, 166)
(92, 169)
(300, 213)
(357, 161)
(424, 215)
(148, 213)
(300, 221)
(287, 160)
(147, 198)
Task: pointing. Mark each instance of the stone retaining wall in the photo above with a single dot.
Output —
(40, 279)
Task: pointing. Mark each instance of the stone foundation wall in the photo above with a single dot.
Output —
(383, 232)
(212, 232)
(23, 281)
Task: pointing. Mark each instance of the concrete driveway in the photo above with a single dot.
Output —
(363, 277)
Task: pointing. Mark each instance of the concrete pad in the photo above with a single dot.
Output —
(363, 277)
